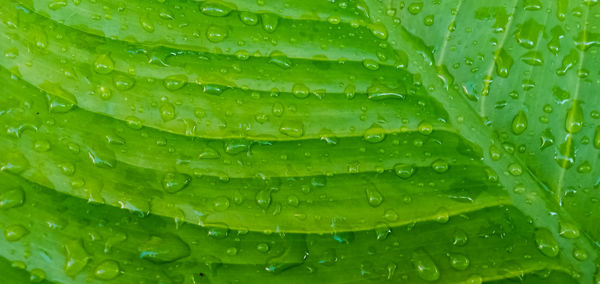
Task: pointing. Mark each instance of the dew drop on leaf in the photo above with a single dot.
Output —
(424, 266)
(107, 270)
(546, 242)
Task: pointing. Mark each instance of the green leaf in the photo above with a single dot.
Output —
(322, 141)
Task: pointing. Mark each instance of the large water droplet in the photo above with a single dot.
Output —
(546, 242)
(13, 233)
(76, 258)
(374, 197)
(574, 119)
(173, 182)
(425, 266)
(216, 9)
(104, 64)
(107, 270)
(12, 198)
(292, 128)
(216, 34)
(374, 134)
(164, 249)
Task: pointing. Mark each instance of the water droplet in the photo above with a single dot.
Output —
(300, 90)
(382, 230)
(175, 82)
(580, 254)
(495, 153)
(528, 33)
(565, 156)
(292, 128)
(546, 242)
(425, 266)
(474, 279)
(123, 82)
(12, 198)
(248, 18)
(568, 230)
(216, 34)
(569, 61)
(429, 20)
(146, 24)
(262, 247)
(425, 128)
(404, 170)
(460, 238)
(515, 169)
(280, 59)
(59, 105)
(215, 9)
(104, 64)
(561, 9)
(441, 215)
(107, 270)
(167, 111)
(379, 30)
(221, 203)
(13, 233)
(209, 153)
(574, 119)
(37, 275)
(374, 134)
(41, 145)
(164, 249)
(269, 22)
(415, 7)
(374, 197)
(218, 233)
(519, 123)
(440, 166)
(236, 146)
(584, 168)
(263, 198)
(459, 261)
(390, 215)
(76, 258)
(371, 64)
(533, 58)
(102, 157)
(173, 182)
(504, 63)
